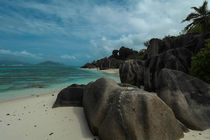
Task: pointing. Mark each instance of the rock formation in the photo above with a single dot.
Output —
(188, 97)
(166, 72)
(113, 61)
(172, 53)
(132, 72)
(70, 96)
(176, 59)
(122, 113)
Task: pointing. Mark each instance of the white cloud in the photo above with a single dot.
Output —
(105, 26)
(87, 20)
(20, 54)
(68, 57)
(105, 47)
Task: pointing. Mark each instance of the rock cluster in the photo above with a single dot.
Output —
(113, 61)
(123, 113)
(126, 112)
(165, 71)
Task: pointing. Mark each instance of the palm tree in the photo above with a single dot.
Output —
(200, 18)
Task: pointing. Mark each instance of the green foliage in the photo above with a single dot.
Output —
(200, 64)
(140, 55)
(146, 44)
(200, 19)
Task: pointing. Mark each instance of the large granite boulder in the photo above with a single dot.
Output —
(108, 63)
(122, 113)
(70, 96)
(176, 59)
(172, 53)
(132, 72)
(89, 65)
(187, 96)
(191, 41)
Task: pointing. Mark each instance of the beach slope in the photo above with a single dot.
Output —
(33, 118)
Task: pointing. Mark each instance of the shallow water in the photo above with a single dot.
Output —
(26, 80)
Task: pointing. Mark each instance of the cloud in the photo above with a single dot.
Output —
(97, 27)
(68, 57)
(20, 54)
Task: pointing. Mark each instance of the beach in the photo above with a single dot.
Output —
(34, 118)
(114, 72)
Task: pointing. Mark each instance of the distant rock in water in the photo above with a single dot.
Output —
(50, 63)
(113, 61)
(188, 97)
(36, 86)
(122, 113)
(70, 96)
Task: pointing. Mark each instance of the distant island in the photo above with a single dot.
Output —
(50, 63)
(20, 63)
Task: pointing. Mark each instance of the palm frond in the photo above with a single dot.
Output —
(191, 17)
(200, 18)
(204, 6)
(196, 9)
(188, 27)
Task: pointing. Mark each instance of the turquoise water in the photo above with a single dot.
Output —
(25, 80)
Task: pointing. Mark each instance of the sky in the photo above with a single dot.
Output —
(78, 31)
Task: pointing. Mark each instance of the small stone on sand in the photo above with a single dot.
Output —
(51, 134)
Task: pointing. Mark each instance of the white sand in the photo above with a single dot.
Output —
(114, 72)
(33, 118)
(197, 135)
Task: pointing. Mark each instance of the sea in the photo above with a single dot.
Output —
(23, 81)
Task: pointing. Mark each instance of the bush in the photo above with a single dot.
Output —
(140, 55)
(200, 64)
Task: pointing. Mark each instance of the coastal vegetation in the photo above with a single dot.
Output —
(142, 54)
(200, 64)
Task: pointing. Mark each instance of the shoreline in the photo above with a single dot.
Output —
(32, 117)
(55, 88)
(113, 72)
